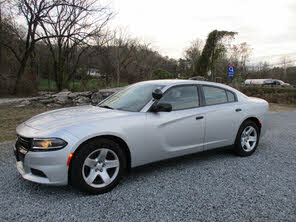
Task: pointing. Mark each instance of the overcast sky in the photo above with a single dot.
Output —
(269, 26)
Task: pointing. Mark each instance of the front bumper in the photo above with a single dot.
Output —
(43, 167)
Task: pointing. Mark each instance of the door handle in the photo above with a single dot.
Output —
(238, 110)
(199, 117)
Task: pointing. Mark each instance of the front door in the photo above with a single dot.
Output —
(180, 131)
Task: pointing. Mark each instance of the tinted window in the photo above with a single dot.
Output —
(230, 96)
(181, 97)
(214, 95)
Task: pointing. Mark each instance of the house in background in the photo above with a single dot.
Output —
(94, 72)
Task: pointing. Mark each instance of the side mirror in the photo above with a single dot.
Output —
(157, 106)
(162, 107)
(157, 94)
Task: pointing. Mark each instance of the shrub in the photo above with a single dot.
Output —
(27, 88)
(271, 94)
(162, 74)
(6, 86)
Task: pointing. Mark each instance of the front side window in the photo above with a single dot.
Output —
(133, 98)
(181, 97)
(214, 95)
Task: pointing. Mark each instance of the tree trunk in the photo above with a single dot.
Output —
(117, 67)
(0, 35)
(55, 71)
(20, 73)
(48, 80)
(117, 73)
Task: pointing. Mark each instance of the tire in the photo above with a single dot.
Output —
(98, 166)
(247, 139)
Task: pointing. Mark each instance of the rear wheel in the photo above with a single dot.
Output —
(247, 139)
(98, 166)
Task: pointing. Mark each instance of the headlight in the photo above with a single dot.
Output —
(48, 144)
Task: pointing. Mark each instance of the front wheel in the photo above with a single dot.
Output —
(98, 166)
(247, 139)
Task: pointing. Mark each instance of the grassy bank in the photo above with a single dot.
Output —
(11, 117)
(79, 85)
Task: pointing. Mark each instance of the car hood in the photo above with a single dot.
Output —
(71, 116)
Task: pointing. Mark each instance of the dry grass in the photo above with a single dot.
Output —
(11, 117)
(274, 107)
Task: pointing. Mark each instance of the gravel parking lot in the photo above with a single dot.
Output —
(210, 186)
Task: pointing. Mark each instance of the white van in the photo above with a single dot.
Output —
(257, 81)
(266, 82)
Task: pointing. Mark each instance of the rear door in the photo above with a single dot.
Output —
(222, 116)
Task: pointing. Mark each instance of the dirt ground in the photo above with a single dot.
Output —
(11, 117)
(274, 107)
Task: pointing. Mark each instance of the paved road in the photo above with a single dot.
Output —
(210, 186)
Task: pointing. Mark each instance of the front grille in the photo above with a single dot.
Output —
(24, 142)
(22, 145)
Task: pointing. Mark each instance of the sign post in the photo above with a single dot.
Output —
(231, 72)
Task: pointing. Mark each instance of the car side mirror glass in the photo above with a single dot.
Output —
(162, 107)
(157, 94)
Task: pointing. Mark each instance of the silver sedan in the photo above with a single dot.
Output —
(92, 147)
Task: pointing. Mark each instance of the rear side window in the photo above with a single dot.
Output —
(181, 97)
(230, 96)
(214, 95)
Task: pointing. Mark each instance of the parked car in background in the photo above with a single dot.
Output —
(258, 82)
(266, 82)
(92, 147)
(281, 83)
(200, 78)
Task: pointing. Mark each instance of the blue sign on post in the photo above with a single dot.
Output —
(230, 72)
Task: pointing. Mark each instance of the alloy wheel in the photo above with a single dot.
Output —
(249, 138)
(100, 168)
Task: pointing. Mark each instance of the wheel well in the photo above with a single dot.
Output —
(256, 121)
(116, 139)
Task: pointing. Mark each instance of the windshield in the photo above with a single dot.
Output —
(132, 98)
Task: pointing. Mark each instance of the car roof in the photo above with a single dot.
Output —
(168, 82)
(171, 82)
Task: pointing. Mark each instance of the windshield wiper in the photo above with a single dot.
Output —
(107, 107)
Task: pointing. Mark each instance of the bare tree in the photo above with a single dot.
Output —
(284, 62)
(193, 52)
(33, 12)
(66, 25)
(1, 2)
(245, 52)
(145, 60)
(239, 55)
(76, 24)
(123, 46)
